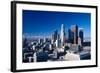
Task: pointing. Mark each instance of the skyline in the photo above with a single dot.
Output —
(51, 21)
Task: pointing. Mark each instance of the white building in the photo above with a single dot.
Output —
(35, 57)
(62, 35)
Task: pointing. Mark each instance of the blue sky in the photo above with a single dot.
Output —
(44, 23)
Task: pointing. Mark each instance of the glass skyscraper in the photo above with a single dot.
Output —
(73, 34)
(81, 35)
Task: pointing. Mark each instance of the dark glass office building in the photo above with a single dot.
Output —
(55, 35)
(73, 34)
(81, 35)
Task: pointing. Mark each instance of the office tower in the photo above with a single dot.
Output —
(65, 39)
(47, 39)
(40, 41)
(70, 36)
(74, 29)
(44, 40)
(80, 47)
(62, 35)
(55, 35)
(52, 39)
(81, 35)
(56, 43)
(79, 41)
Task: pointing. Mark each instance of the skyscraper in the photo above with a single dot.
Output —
(74, 29)
(55, 35)
(62, 35)
(70, 36)
(79, 41)
(52, 39)
(81, 35)
(57, 43)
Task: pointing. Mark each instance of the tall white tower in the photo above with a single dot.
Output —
(62, 35)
